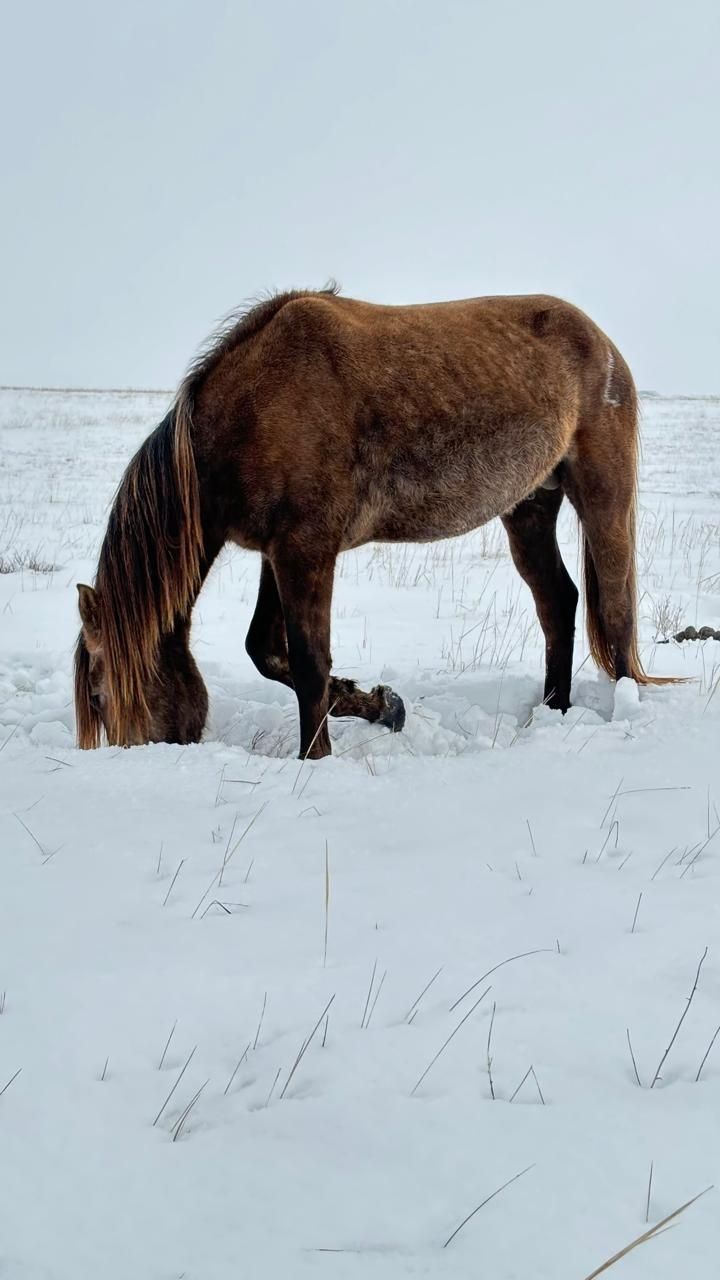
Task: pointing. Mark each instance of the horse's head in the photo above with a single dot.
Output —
(163, 702)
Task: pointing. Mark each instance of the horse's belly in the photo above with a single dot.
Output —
(443, 483)
(442, 515)
(404, 511)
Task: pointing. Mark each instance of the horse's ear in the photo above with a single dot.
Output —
(89, 607)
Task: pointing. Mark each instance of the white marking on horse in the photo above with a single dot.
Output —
(608, 396)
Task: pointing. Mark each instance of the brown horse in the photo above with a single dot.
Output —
(315, 423)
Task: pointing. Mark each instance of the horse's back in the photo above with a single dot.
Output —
(496, 318)
(404, 422)
(527, 348)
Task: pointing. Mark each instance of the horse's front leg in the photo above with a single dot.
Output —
(266, 645)
(305, 583)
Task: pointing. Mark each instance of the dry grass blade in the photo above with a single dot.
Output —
(529, 720)
(11, 734)
(530, 1072)
(230, 853)
(179, 1126)
(589, 740)
(646, 1235)
(537, 1085)
(375, 1000)
(707, 1054)
(575, 724)
(223, 907)
(489, 1051)
(643, 791)
(172, 882)
(62, 763)
(220, 785)
(259, 1025)
(632, 1055)
(167, 1045)
(355, 746)
(522, 956)
(713, 691)
(665, 859)
(304, 1048)
(327, 903)
(210, 887)
(369, 994)
(425, 989)
(615, 826)
(238, 1065)
(229, 840)
(612, 800)
(182, 1073)
(272, 1087)
(487, 1201)
(683, 1016)
(34, 838)
(7, 1086)
(700, 851)
(303, 762)
(450, 1037)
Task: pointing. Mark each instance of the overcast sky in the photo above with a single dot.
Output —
(161, 162)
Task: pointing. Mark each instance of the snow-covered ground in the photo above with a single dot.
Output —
(583, 851)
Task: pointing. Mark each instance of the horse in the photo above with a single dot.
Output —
(313, 423)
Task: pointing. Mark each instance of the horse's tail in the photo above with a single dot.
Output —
(601, 649)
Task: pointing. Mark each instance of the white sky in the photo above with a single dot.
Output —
(161, 162)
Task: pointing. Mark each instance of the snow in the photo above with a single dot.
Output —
(491, 828)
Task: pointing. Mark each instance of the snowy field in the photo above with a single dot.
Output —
(177, 925)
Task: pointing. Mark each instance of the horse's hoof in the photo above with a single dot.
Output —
(393, 709)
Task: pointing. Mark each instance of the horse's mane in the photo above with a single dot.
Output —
(236, 328)
(87, 717)
(148, 573)
(149, 570)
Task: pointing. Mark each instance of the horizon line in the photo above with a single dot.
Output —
(93, 391)
(162, 391)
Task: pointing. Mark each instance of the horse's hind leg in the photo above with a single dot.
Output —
(267, 646)
(535, 552)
